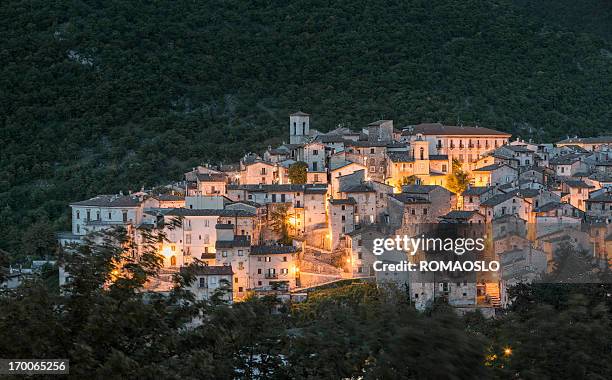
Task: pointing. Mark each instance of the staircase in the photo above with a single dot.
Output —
(492, 292)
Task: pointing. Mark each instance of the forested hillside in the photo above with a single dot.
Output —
(98, 96)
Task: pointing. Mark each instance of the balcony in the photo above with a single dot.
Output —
(271, 275)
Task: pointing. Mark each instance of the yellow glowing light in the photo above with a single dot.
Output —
(348, 260)
(507, 351)
(166, 251)
(292, 220)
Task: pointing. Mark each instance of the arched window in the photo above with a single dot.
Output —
(422, 153)
(294, 128)
(304, 128)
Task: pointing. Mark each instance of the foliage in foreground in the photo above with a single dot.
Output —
(108, 329)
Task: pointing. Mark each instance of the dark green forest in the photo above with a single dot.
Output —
(102, 96)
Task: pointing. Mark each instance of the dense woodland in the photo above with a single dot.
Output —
(102, 96)
(108, 329)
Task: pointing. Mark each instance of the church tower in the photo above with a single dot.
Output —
(299, 127)
(420, 152)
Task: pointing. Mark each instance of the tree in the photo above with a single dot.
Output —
(298, 172)
(4, 264)
(39, 240)
(279, 222)
(407, 180)
(457, 180)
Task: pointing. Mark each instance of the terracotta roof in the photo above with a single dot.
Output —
(451, 130)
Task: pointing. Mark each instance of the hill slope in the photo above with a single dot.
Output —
(101, 96)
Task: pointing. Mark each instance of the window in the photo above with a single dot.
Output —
(359, 243)
(424, 211)
(342, 207)
(173, 261)
(224, 253)
(110, 216)
(125, 217)
(316, 178)
(97, 215)
(359, 255)
(88, 215)
(240, 289)
(240, 252)
(188, 239)
(343, 218)
(285, 258)
(240, 265)
(78, 214)
(284, 271)
(235, 280)
(259, 283)
(304, 128)
(268, 259)
(315, 152)
(263, 171)
(444, 168)
(372, 150)
(203, 283)
(259, 271)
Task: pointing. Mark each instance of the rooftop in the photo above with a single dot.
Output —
(451, 130)
(476, 190)
(588, 140)
(238, 241)
(209, 270)
(407, 198)
(204, 212)
(348, 201)
(272, 249)
(497, 199)
(115, 200)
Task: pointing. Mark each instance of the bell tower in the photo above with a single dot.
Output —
(420, 153)
(299, 127)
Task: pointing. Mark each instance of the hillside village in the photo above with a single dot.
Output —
(261, 232)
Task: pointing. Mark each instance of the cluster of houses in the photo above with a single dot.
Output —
(362, 185)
